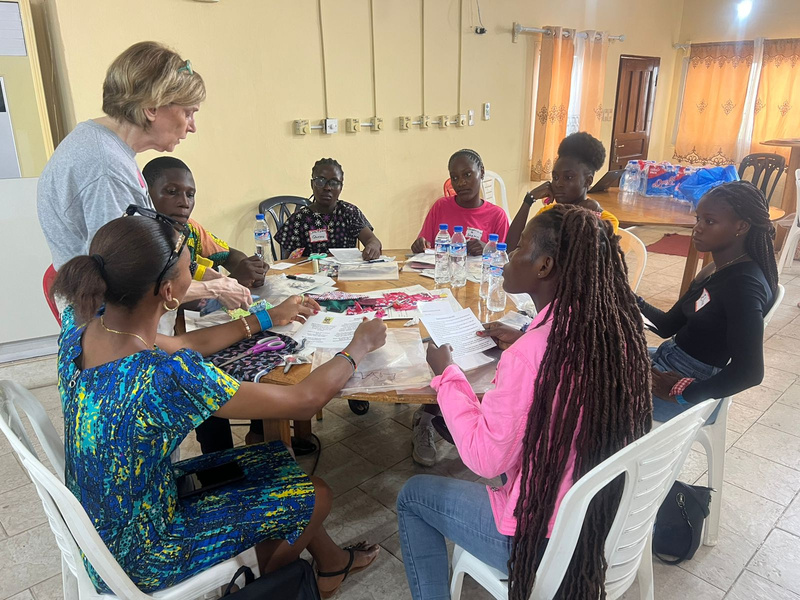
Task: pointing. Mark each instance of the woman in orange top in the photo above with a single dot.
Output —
(580, 156)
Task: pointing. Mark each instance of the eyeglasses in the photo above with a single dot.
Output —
(187, 67)
(321, 182)
(180, 242)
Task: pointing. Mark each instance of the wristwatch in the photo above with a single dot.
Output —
(527, 199)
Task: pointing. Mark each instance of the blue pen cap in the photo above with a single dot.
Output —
(502, 246)
(493, 237)
(443, 227)
(458, 229)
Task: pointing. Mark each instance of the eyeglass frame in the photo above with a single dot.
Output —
(187, 67)
(180, 243)
(339, 182)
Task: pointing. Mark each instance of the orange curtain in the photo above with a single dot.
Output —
(777, 109)
(552, 100)
(713, 103)
(595, 50)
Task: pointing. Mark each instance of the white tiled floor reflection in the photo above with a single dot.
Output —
(366, 460)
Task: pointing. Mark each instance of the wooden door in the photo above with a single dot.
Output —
(633, 114)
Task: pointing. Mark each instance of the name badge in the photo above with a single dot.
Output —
(473, 233)
(704, 299)
(318, 235)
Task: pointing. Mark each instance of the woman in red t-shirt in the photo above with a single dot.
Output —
(478, 217)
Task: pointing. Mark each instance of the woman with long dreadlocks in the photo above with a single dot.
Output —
(570, 392)
(718, 325)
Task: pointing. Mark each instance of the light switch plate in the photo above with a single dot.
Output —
(331, 125)
(487, 111)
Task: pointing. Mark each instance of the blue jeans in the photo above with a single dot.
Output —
(668, 357)
(431, 509)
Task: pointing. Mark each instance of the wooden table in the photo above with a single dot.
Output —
(789, 200)
(467, 296)
(644, 210)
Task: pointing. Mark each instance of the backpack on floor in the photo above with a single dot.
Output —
(295, 581)
(679, 522)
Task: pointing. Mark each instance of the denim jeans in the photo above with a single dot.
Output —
(431, 509)
(668, 357)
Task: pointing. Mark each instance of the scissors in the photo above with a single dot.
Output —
(267, 344)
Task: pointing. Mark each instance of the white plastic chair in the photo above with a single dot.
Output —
(71, 525)
(632, 246)
(650, 465)
(712, 437)
(490, 180)
(793, 237)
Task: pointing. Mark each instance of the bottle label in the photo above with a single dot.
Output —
(496, 271)
(457, 249)
(442, 247)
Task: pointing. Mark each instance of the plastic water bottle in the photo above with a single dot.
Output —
(631, 178)
(441, 272)
(496, 301)
(489, 249)
(458, 258)
(262, 239)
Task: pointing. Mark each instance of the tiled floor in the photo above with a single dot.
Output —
(366, 460)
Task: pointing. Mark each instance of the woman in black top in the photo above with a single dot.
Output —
(718, 325)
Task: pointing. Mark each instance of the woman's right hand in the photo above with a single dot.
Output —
(419, 245)
(369, 336)
(504, 335)
(230, 293)
(541, 192)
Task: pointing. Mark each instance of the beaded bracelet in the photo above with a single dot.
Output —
(263, 319)
(350, 359)
(248, 332)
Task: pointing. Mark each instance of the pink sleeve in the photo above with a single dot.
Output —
(488, 434)
(430, 227)
(502, 225)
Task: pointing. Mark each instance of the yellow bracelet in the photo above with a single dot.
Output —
(248, 333)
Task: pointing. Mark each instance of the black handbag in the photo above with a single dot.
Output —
(679, 522)
(295, 581)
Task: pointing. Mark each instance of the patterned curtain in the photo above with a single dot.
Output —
(552, 100)
(777, 109)
(713, 103)
(593, 78)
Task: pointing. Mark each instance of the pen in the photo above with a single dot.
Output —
(376, 260)
(298, 278)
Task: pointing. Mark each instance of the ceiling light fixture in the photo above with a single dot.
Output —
(743, 8)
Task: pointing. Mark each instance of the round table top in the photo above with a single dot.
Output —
(646, 210)
(784, 142)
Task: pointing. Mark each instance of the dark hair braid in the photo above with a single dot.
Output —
(332, 162)
(594, 379)
(470, 155)
(750, 204)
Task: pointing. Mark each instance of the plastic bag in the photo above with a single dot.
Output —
(694, 186)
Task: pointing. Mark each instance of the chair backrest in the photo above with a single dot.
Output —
(766, 167)
(791, 240)
(635, 256)
(68, 520)
(776, 302)
(650, 466)
(491, 181)
(47, 283)
(279, 209)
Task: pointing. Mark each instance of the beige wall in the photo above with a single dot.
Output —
(261, 62)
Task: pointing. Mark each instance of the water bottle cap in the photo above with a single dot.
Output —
(493, 237)
(259, 217)
(458, 229)
(502, 246)
(443, 227)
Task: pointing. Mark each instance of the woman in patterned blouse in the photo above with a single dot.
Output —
(130, 396)
(328, 222)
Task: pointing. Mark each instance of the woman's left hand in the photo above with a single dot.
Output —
(294, 308)
(439, 357)
(371, 251)
(663, 382)
(474, 247)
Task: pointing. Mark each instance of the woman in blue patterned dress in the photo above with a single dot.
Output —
(130, 396)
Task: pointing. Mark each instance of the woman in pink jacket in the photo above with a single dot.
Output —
(570, 391)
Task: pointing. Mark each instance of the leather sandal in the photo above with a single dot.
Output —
(361, 546)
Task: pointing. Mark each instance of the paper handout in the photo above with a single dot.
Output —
(458, 329)
(329, 330)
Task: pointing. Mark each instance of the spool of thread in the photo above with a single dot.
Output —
(315, 258)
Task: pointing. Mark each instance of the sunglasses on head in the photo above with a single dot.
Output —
(180, 242)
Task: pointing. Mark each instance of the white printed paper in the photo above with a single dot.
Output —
(435, 308)
(458, 329)
(380, 271)
(329, 330)
(280, 266)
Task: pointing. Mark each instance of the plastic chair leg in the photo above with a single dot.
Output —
(69, 583)
(712, 437)
(319, 416)
(644, 575)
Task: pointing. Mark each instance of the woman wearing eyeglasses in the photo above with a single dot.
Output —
(150, 97)
(328, 222)
(130, 396)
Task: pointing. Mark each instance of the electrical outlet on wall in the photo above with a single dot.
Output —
(608, 113)
(424, 122)
(377, 123)
(444, 121)
(470, 117)
(353, 125)
(461, 120)
(301, 127)
(487, 111)
(404, 122)
(330, 125)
